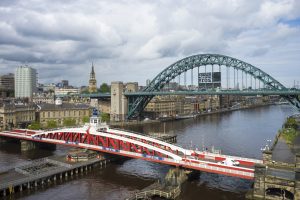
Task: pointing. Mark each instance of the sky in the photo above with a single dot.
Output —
(133, 40)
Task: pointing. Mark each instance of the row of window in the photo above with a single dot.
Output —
(64, 113)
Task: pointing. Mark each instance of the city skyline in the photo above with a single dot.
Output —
(134, 41)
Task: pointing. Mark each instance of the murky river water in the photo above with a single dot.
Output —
(240, 133)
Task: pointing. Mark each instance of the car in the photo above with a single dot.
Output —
(229, 162)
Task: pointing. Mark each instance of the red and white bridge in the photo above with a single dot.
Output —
(129, 144)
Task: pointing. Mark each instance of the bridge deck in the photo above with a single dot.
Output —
(142, 147)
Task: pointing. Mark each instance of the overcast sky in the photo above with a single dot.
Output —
(133, 40)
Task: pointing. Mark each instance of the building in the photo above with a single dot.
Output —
(65, 83)
(171, 106)
(93, 81)
(25, 82)
(16, 114)
(43, 98)
(102, 105)
(161, 106)
(66, 91)
(59, 112)
(148, 81)
(7, 85)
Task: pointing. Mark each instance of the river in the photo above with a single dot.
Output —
(240, 133)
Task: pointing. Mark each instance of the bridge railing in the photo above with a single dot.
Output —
(173, 193)
(228, 156)
(220, 169)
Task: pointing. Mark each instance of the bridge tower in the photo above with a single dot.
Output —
(119, 102)
(92, 81)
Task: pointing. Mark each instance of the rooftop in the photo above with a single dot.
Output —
(63, 106)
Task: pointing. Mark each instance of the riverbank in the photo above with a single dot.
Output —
(224, 110)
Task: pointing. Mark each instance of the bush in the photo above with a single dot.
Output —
(289, 134)
(105, 117)
(51, 124)
(69, 122)
(34, 126)
(85, 119)
(291, 123)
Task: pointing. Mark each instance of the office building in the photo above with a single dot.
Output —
(25, 82)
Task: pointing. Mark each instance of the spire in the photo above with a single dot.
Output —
(92, 75)
(93, 68)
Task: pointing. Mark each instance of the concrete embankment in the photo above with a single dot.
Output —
(44, 172)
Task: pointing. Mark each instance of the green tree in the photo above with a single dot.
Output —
(51, 124)
(289, 134)
(85, 119)
(105, 117)
(69, 122)
(104, 88)
(291, 123)
(86, 91)
(34, 126)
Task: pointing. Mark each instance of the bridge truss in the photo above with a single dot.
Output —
(137, 102)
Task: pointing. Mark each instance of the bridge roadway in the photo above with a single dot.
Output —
(216, 92)
(194, 92)
(134, 145)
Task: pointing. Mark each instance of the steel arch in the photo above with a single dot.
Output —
(185, 64)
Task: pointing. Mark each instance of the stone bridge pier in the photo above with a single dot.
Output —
(276, 180)
(30, 145)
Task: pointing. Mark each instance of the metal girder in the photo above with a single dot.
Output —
(218, 92)
(194, 61)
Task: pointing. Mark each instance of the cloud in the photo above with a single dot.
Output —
(125, 39)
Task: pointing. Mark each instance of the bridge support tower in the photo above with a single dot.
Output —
(119, 102)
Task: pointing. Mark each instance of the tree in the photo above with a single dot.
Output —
(104, 88)
(85, 119)
(291, 123)
(105, 117)
(86, 91)
(34, 126)
(69, 122)
(51, 124)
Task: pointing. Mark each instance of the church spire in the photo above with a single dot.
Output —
(92, 74)
(92, 82)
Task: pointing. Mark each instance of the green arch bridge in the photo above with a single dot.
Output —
(139, 100)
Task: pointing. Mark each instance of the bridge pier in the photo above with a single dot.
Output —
(27, 145)
(267, 157)
(267, 178)
(2, 140)
(30, 145)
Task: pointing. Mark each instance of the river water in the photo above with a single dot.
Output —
(240, 133)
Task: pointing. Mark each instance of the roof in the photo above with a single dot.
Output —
(64, 106)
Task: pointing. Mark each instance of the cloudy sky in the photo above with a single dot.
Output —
(133, 40)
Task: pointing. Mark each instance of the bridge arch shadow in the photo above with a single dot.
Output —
(280, 193)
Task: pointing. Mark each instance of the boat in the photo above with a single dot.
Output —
(177, 117)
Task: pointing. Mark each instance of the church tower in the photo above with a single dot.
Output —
(92, 82)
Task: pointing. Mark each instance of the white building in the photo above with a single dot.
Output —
(25, 82)
(66, 91)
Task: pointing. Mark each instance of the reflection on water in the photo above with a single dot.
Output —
(241, 133)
